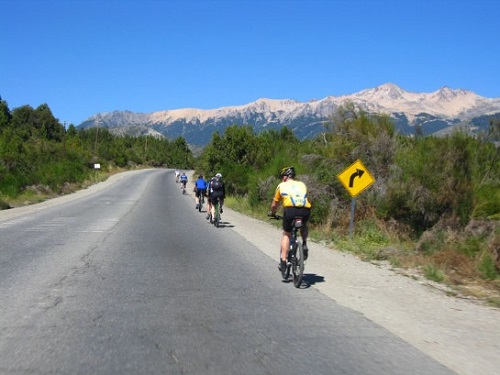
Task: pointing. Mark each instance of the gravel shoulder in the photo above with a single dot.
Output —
(459, 333)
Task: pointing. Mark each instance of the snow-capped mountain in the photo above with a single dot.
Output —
(435, 111)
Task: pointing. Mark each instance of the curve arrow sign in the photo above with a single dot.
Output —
(356, 178)
(358, 173)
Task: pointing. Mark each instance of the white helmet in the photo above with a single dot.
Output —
(218, 175)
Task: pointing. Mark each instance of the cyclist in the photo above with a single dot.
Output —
(207, 194)
(216, 192)
(184, 179)
(177, 174)
(292, 194)
(200, 186)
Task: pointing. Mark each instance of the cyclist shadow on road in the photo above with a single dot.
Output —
(310, 279)
(225, 224)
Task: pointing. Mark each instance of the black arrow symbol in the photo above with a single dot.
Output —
(358, 173)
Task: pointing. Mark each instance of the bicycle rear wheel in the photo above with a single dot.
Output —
(298, 265)
(217, 215)
(200, 202)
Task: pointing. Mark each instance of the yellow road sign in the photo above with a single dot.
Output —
(356, 178)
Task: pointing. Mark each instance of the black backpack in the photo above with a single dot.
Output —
(216, 184)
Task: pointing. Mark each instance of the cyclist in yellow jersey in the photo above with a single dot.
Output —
(292, 195)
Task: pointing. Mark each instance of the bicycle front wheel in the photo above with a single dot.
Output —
(298, 265)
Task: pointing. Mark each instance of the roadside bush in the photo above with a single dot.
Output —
(4, 205)
(10, 185)
(487, 266)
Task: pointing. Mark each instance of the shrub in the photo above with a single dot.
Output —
(433, 273)
(487, 267)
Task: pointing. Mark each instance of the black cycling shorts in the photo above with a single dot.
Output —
(290, 213)
(214, 197)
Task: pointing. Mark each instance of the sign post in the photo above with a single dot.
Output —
(97, 166)
(355, 178)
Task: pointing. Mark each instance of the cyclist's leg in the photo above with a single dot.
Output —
(214, 204)
(304, 231)
(209, 206)
(198, 196)
(287, 232)
(285, 245)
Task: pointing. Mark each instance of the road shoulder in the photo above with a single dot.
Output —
(461, 334)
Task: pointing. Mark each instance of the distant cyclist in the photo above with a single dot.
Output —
(292, 195)
(200, 187)
(177, 174)
(184, 179)
(216, 192)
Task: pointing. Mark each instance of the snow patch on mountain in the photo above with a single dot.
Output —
(201, 115)
(387, 98)
(439, 108)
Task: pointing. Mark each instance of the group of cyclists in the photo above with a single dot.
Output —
(290, 193)
(214, 190)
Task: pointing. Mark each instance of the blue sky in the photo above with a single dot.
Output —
(82, 57)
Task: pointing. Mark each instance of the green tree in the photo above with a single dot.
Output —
(494, 130)
(24, 122)
(47, 124)
(5, 115)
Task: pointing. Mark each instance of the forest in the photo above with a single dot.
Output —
(434, 206)
(40, 157)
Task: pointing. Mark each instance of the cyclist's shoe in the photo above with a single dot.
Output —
(208, 216)
(221, 210)
(282, 266)
(306, 251)
(196, 207)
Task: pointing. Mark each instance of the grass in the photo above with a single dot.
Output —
(494, 301)
(433, 273)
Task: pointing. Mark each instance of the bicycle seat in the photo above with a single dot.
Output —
(297, 222)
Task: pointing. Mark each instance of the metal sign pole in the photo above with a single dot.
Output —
(351, 225)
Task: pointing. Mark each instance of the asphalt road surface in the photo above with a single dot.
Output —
(131, 279)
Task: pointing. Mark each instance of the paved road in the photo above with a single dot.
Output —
(131, 279)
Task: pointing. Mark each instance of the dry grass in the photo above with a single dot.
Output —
(461, 259)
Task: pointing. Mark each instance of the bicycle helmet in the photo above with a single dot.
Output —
(218, 175)
(287, 171)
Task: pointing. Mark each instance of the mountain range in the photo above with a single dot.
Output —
(437, 112)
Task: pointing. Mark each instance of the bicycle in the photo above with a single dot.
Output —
(201, 199)
(295, 257)
(216, 219)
